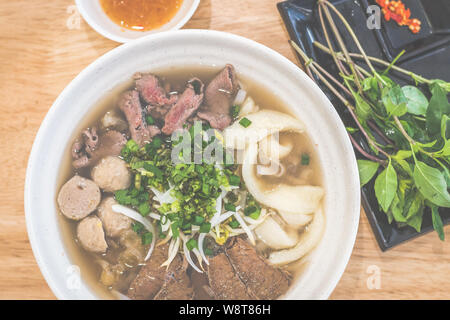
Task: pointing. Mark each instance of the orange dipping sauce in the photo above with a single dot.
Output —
(141, 15)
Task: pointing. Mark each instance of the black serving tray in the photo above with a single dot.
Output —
(427, 54)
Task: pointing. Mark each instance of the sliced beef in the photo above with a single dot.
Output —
(151, 277)
(158, 112)
(160, 283)
(177, 284)
(130, 105)
(260, 278)
(219, 96)
(89, 151)
(152, 91)
(187, 104)
(200, 283)
(224, 282)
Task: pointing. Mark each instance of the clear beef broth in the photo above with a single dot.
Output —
(90, 269)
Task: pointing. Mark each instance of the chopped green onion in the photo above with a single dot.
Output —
(235, 111)
(137, 227)
(156, 142)
(198, 220)
(205, 227)
(175, 230)
(144, 209)
(230, 207)
(147, 238)
(234, 180)
(150, 120)
(156, 171)
(234, 224)
(305, 159)
(191, 244)
(245, 122)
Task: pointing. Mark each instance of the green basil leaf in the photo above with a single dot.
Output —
(394, 101)
(437, 108)
(402, 154)
(437, 222)
(363, 109)
(367, 170)
(416, 102)
(405, 166)
(444, 128)
(431, 184)
(386, 187)
(397, 209)
(415, 206)
(416, 220)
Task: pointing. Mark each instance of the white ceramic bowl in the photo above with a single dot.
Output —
(196, 47)
(94, 15)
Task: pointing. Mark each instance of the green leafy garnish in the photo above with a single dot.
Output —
(245, 122)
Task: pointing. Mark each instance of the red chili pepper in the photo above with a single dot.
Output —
(397, 11)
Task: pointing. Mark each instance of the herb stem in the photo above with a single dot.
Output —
(414, 76)
(375, 128)
(349, 106)
(403, 131)
(340, 42)
(364, 153)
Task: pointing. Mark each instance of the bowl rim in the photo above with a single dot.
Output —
(91, 21)
(50, 117)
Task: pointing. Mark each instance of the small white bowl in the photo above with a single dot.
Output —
(94, 15)
(169, 50)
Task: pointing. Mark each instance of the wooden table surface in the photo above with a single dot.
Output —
(45, 44)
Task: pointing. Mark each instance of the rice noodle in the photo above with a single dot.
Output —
(287, 198)
(130, 213)
(309, 240)
(274, 169)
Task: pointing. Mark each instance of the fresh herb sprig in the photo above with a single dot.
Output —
(411, 157)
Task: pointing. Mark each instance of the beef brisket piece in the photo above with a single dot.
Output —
(151, 277)
(93, 147)
(177, 284)
(151, 90)
(260, 278)
(187, 104)
(130, 105)
(223, 281)
(160, 283)
(219, 96)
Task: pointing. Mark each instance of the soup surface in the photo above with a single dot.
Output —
(141, 15)
(216, 226)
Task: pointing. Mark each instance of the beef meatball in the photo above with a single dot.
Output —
(91, 235)
(111, 174)
(113, 222)
(78, 197)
